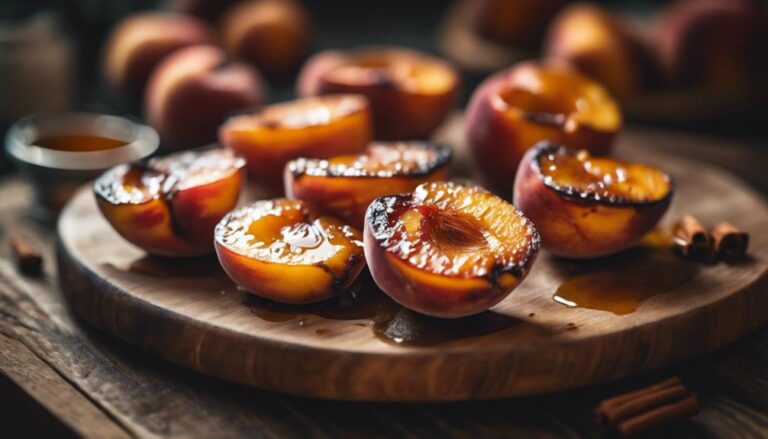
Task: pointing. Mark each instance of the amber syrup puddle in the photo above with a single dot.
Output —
(78, 143)
(621, 283)
(389, 321)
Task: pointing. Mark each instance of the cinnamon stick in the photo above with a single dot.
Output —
(29, 259)
(666, 414)
(692, 239)
(730, 242)
(643, 409)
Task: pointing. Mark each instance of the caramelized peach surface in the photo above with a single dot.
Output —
(411, 93)
(519, 107)
(344, 186)
(319, 127)
(448, 249)
(281, 250)
(588, 206)
(170, 205)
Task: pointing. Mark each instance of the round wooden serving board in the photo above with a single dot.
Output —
(188, 312)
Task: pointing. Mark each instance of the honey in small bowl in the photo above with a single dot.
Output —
(79, 143)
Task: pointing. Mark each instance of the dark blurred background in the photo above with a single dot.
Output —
(81, 28)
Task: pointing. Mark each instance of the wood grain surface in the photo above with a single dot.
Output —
(191, 314)
(142, 396)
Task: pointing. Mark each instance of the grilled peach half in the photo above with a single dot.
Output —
(318, 127)
(281, 250)
(170, 206)
(587, 206)
(345, 185)
(411, 93)
(516, 108)
(448, 249)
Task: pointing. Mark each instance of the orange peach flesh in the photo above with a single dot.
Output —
(517, 108)
(448, 250)
(411, 94)
(559, 98)
(171, 206)
(344, 186)
(586, 206)
(318, 127)
(280, 250)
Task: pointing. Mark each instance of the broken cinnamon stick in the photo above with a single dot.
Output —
(29, 259)
(692, 239)
(643, 409)
(730, 242)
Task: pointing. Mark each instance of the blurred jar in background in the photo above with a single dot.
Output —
(36, 67)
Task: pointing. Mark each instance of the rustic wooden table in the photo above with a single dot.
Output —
(60, 377)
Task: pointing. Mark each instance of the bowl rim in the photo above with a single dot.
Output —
(143, 141)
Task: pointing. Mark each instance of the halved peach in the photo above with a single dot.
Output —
(319, 127)
(448, 249)
(281, 250)
(344, 186)
(170, 206)
(587, 206)
(516, 108)
(411, 93)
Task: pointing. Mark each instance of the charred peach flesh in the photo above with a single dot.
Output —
(170, 205)
(411, 93)
(447, 249)
(318, 127)
(588, 206)
(521, 106)
(279, 249)
(344, 186)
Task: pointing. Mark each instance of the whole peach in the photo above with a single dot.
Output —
(192, 91)
(274, 35)
(141, 41)
(603, 45)
(714, 43)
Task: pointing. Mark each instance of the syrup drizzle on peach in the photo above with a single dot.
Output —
(589, 206)
(281, 250)
(448, 249)
(170, 205)
(344, 186)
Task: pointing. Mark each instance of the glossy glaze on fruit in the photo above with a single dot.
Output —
(344, 186)
(589, 206)
(448, 249)
(170, 205)
(516, 108)
(319, 127)
(281, 250)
